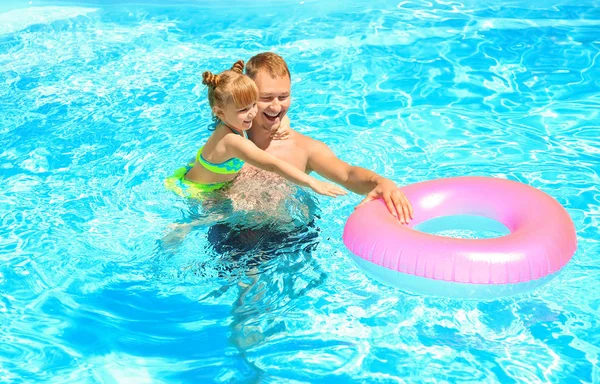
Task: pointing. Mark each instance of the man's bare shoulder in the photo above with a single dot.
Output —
(301, 140)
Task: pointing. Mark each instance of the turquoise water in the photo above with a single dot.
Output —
(99, 102)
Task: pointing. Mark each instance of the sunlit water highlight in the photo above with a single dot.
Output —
(99, 102)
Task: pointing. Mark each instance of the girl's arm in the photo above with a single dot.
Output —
(247, 151)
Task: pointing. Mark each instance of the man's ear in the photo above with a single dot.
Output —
(218, 111)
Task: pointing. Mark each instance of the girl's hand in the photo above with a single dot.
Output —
(280, 134)
(327, 189)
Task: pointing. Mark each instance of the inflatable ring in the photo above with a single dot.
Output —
(541, 241)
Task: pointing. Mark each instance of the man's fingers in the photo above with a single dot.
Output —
(401, 214)
(406, 212)
(400, 205)
(396, 203)
(407, 208)
(410, 209)
(390, 205)
(368, 198)
(364, 201)
(404, 206)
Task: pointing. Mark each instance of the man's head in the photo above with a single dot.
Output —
(272, 76)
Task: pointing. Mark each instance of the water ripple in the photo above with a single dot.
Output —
(106, 276)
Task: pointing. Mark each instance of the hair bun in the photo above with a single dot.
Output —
(238, 66)
(210, 79)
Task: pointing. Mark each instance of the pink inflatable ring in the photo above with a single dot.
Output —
(541, 241)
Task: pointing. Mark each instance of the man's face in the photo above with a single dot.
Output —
(273, 100)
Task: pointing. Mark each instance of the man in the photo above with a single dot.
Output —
(272, 133)
(252, 247)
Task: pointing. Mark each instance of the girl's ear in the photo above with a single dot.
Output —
(218, 111)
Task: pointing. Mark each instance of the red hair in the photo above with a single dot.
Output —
(230, 86)
(270, 62)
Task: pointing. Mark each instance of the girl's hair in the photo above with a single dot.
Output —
(230, 86)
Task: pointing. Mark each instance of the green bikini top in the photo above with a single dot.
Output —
(229, 167)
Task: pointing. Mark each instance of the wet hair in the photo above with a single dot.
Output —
(270, 62)
(230, 86)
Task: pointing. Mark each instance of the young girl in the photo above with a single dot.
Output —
(232, 97)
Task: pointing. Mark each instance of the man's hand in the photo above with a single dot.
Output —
(396, 202)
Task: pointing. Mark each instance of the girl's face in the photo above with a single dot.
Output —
(238, 118)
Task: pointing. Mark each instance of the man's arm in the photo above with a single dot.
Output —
(359, 180)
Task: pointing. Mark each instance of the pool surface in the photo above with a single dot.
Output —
(107, 277)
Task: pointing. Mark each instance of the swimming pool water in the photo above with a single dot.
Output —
(100, 101)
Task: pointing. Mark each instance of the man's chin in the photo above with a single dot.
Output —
(268, 126)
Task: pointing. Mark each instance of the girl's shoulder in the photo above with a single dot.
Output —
(228, 137)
